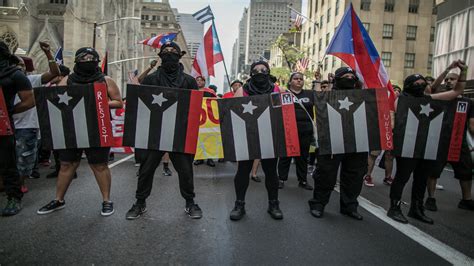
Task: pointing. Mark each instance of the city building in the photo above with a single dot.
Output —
(192, 29)
(238, 57)
(402, 31)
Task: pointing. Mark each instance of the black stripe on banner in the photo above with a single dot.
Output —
(130, 115)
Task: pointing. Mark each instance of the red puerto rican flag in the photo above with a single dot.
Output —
(208, 54)
(159, 40)
(352, 44)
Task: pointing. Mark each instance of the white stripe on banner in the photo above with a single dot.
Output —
(80, 125)
(361, 129)
(434, 132)
(57, 128)
(265, 135)
(168, 124)
(335, 131)
(409, 140)
(142, 130)
(239, 133)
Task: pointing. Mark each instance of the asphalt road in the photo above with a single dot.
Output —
(165, 235)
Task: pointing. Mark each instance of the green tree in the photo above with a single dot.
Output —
(291, 53)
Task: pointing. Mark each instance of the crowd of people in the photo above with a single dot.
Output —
(20, 152)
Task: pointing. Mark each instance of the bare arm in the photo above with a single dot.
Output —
(115, 99)
(53, 67)
(458, 88)
(145, 73)
(27, 101)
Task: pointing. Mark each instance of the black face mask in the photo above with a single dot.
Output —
(260, 80)
(170, 62)
(86, 68)
(416, 90)
(345, 83)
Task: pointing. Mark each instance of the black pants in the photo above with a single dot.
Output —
(421, 170)
(241, 180)
(8, 169)
(149, 161)
(301, 162)
(353, 169)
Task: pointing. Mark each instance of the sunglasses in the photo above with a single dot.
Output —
(256, 71)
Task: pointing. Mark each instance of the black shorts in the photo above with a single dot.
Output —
(94, 155)
(462, 169)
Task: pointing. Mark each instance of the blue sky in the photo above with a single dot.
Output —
(227, 15)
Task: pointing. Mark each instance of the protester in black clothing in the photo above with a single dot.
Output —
(353, 166)
(86, 71)
(415, 86)
(169, 74)
(12, 82)
(258, 84)
(305, 132)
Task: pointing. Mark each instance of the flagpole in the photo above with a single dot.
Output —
(223, 59)
(315, 23)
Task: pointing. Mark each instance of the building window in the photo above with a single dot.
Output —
(314, 31)
(314, 48)
(153, 18)
(304, 35)
(325, 64)
(321, 21)
(430, 61)
(413, 6)
(366, 26)
(166, 18)
(310, 9)
(432, 34)
(389, 5)
(316, 7)
(309, 33)
(387, 59)
(328, 15)
(411, 33)
(365, 5)
(333, 61)
(327, 38)
(322, 3)
(337, 7)
(409, 60)
(320, 44)
(387, 32)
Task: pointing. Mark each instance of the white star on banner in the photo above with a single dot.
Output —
(64, 98)
(345, 104)
(248, 108)
(158, 99)
(426, 109)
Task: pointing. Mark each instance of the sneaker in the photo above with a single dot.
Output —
(368, 181)
(198, 162)
(54, 205)
(34, 175)
(274, 209)
(311, 169)
(193, 210)
(136, 211)
(305, 185)
(466, 205)
(388, 181)
(430, 204)
(13, 207)
(281, 184)
(439, 187)
(107, 208)
(24, 189)
(210, 163)
(256, 179)
(167, 171)
(238, 211)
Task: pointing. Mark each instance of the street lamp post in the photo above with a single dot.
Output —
(106, 22)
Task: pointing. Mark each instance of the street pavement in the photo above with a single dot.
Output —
(166, 235)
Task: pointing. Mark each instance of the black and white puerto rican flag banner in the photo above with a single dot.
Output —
(430, 129)
(160, 118)
(258, 127)
(351, 121)
(74, 116)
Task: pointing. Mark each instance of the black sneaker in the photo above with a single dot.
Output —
(107, 208)
(54, 205)
(430, 204)
(136, 211)
(167, 171)
(466, 205)
(210, 163)
(34, 175)
(274, 209)
(198, 162)
(13, 207)
(239, 211)
(256, 179)
(305, 185)
(193, 210)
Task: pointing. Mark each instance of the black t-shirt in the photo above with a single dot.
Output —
(11, 85)
(303, 122)
(189, 82)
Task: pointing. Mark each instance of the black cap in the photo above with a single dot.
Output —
(344, 70)
(261, 62)
(171, 44)
(411, 79)
(81, 52)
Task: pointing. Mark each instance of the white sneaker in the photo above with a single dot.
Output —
(439, 187)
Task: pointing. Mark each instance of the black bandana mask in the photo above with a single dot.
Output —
(345, 83)
(86, 68)
(170, 62)
(416, 90)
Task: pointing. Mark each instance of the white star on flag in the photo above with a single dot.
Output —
(345, 104)
(64, 98)
(158, 99)
(248, 108)
(426, 109)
